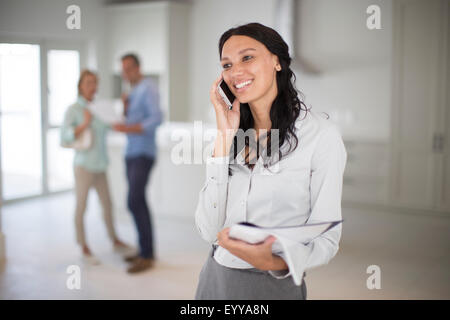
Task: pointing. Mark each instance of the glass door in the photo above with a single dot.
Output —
(20, 121)
(63, 67)
(38, 82)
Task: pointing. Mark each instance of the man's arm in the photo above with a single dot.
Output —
(154, 114)
(132, 128)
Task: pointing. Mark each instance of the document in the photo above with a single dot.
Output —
(107, 110)
(288, 241)
(301, 233)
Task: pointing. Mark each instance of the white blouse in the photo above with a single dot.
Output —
(304, 187)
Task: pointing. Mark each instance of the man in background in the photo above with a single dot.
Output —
(143, 115)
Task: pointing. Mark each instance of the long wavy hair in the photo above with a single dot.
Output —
(287, 105)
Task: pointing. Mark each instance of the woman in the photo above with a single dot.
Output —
(298, 182)
(89, 165)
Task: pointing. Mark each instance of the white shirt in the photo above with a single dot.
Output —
(304, 187)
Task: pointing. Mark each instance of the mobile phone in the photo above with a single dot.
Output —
(226, 94)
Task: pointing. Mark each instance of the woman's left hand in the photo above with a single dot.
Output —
(258, 255)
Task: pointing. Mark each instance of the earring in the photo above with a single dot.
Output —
(278, 68)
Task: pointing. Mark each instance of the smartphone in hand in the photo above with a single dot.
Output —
(226, 94)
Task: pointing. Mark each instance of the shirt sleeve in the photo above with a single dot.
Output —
(327, 170)
(67, 133)
(154, 114)
(211, 207)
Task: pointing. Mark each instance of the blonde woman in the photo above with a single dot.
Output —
(89, 165)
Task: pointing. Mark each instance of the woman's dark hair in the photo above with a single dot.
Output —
(287, 105)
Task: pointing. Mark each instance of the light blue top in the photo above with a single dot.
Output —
(143, 108)
(95, 159)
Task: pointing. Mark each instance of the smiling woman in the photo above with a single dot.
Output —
(255, 61)
(253, 67)
(301, 182)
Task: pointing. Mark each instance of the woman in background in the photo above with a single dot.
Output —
(90, 164)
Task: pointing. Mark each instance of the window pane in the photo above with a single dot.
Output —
(63, 73)
(60, 163)
(20, 120)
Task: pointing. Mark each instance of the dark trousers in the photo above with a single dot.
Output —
(138, 172)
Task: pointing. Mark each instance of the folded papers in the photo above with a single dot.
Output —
(287, 239)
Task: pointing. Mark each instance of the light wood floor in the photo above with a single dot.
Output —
(412, 251)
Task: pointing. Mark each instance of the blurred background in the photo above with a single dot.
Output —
(386, 88)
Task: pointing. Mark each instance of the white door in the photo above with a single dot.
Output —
(444, 195)
(442, 144)
(38, 81)
(20, 121)
(418, 38)
(63, 65)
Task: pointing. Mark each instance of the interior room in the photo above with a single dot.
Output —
(379, 70)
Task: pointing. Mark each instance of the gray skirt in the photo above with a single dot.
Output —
(217, 282)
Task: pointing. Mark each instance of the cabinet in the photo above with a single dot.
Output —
(443, 142)
(366, 176)
(412, 170)
(2, 236)
(420, 167)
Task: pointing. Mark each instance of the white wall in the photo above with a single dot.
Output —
(178, 48)
(209, 19)
(46, 20)
(354, 63)
(138, 28)
(357, 99)
(334, 35)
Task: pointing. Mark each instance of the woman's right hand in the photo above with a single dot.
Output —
(227, 120)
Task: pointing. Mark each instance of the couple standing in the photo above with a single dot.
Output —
(142, 114)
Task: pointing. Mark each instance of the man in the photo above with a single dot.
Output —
(141, 108)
